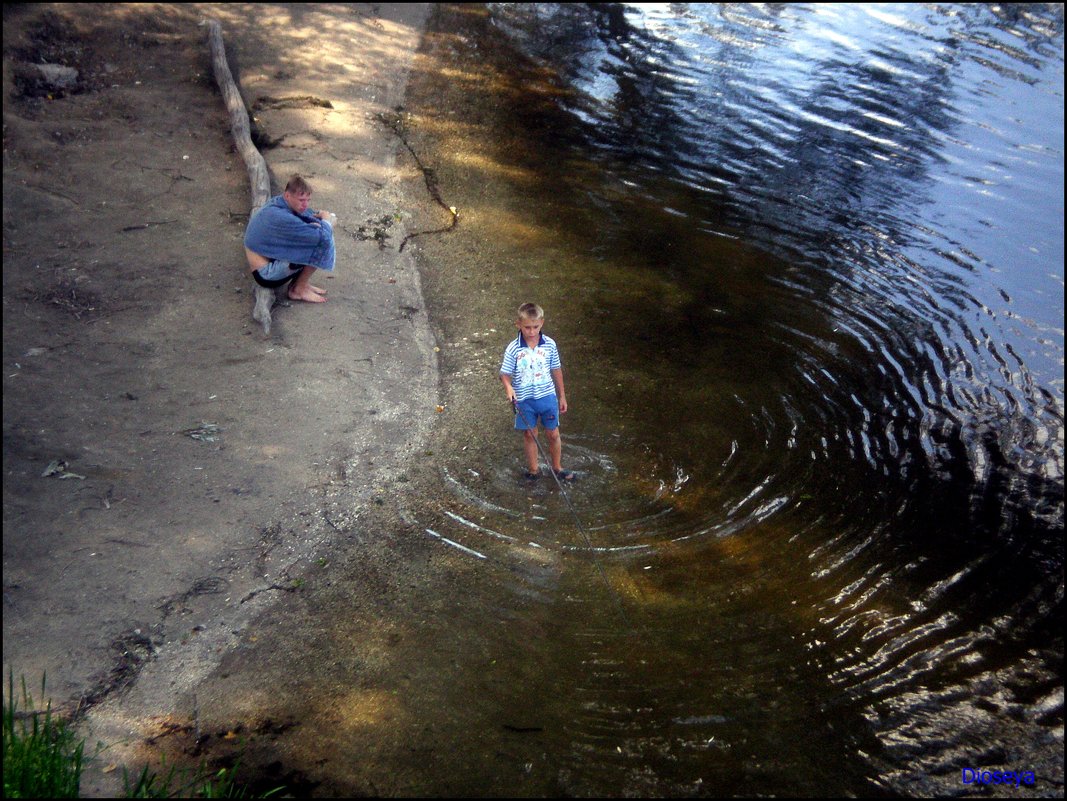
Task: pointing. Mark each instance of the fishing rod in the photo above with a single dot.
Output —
(577, 520)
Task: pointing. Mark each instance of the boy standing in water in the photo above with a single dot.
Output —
(533, 379)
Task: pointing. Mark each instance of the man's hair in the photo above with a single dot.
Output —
(531, 311)
(297, 185)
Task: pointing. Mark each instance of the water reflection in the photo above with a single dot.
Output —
(818, 432)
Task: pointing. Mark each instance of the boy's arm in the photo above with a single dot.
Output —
(506, 381)
(561, 393)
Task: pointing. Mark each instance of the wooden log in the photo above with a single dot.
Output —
(258, 177)
(257, 166)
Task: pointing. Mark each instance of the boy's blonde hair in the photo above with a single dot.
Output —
(531, 311)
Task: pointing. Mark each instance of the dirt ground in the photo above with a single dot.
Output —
(170, 473)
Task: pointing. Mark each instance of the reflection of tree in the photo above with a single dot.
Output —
(858, 138)
(618, 86)
(786, 145)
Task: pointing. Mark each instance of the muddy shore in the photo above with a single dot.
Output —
(181, 493)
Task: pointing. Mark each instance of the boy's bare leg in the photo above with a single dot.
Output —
(529, 444)
(555, 449)
(301, 288)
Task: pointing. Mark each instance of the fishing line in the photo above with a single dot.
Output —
(577, 520)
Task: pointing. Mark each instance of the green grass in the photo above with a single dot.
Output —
(183, 784)
(43, 759)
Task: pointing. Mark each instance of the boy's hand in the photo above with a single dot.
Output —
(562, 405)
(509, 390)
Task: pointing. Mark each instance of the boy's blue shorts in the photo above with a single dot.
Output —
(546, 409)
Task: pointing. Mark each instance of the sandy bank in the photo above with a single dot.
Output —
(127, 328)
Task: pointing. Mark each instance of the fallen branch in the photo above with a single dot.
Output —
(257, 167)
(142, 226)
(254, 593)
(396, 125)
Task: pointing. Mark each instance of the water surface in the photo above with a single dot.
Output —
(805, 267)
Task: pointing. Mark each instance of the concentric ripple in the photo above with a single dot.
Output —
(626, 500)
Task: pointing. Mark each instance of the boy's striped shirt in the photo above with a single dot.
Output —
(530, 368)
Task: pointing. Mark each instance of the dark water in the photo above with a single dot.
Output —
(805, 266)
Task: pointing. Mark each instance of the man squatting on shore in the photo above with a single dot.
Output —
(286, 241)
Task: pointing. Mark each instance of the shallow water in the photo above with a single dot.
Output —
(805, 267)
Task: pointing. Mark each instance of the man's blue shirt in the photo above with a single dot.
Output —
(277, 232)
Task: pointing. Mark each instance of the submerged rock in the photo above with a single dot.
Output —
(39, 80)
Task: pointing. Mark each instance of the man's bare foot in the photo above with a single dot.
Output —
(308, 295)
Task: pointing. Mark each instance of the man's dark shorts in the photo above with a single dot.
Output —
(272, 283)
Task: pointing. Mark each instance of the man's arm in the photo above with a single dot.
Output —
(278, 233)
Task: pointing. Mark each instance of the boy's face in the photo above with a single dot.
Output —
(531, 329)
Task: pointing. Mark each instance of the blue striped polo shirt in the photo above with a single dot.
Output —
(530, 368)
